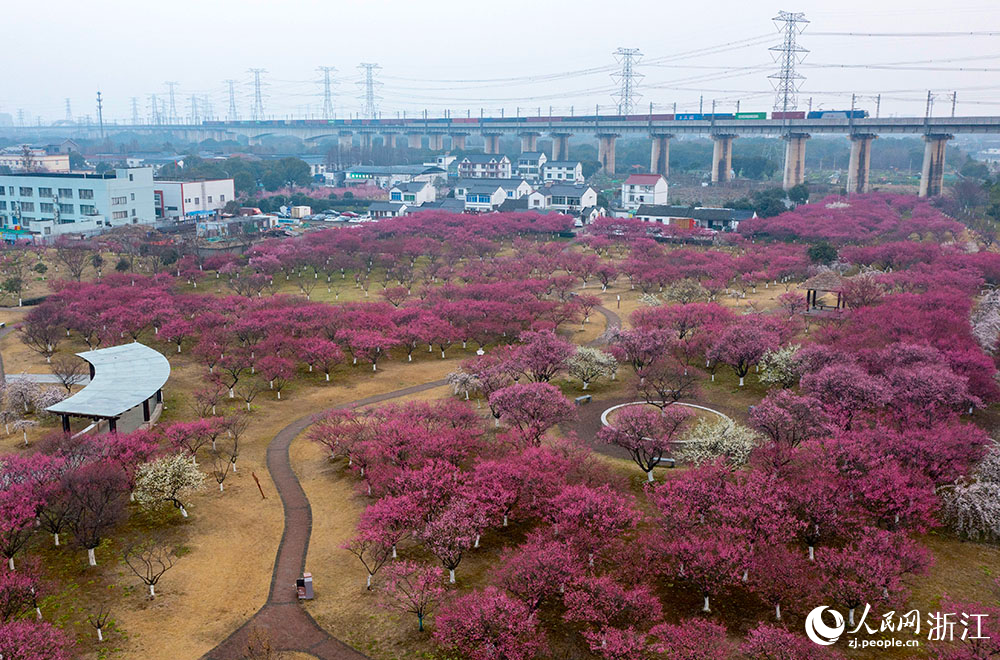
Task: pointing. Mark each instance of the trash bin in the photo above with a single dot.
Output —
(304, 586)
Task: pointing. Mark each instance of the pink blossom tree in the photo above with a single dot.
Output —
(538, 570)
(489, 625)
(591, 519)
(34, 640)
(542, 355)
(768, 642)
(412, 588)
(448, 536)
(531, 408)
(647, 435)
(742, 344)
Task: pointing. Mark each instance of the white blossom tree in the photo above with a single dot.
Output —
(462, 382)
(588, 364)
(166, 479)
(782, 366)
(986, 321)
(711, 439)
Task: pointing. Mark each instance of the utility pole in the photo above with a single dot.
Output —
(701, 104)
(327, 90)
(788, 54)
(207, 111)
(69, 112)
(930, 105)
(100, 113)
(257, 113)
(194, 109)
(878, 105)
(172, 115)
(628, 79)
(135, 111)
(370, 84)
(954, 102)
(232, 115)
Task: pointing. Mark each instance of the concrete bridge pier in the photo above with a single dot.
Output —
(560, 146)
(458, 142)
(529, 142)
(606, 151)
(932, 176)
(413, 140)
(859, 166)
(795, 160)
(659, 156)
(435, 142)
(366, 141)
(389, 140)
(492, 143)
(722, 157)
(346, 140)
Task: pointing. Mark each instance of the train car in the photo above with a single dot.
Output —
(751, 115)
(837, 114)
(788, 115)
(689, 116)
(718, 115)
(465, 120)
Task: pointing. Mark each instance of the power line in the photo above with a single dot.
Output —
(627, 79)
(257, 111)
(369, 97)
(788, 55)
(904, 34)
(327, 91)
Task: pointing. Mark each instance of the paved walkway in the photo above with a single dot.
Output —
(288, 625)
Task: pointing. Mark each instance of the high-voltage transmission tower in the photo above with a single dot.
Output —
(627, 79)
(257, 111)
(368, 96)
(69, 112)
(787, 54)
(232, 115)
(135, 111)
(100, 112)
(172, 116)
(327, 90)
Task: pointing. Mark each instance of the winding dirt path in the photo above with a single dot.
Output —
(288, 625)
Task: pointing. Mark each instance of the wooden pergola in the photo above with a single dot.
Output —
(821, 283)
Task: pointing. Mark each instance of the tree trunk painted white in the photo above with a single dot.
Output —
(746, 575)
(56, 536)
(234, 467)
(812, 553)
(178, 348)
(368, 584)
(442, 355)
(394, 555)
(476, 544)
(777, 611)
(706, 608)
(505, 520)
(232, 394)
(409, 357)
(741, 381)
(451, 576)
(279, 395)
(152, 591)
(328, 376)
(649, 476)
(373, 366)
(220, 487)
(100, 635)
(90, 557)
(270, 384)
(184, 512)
(586, 384)
(850, 616)
(10, 563)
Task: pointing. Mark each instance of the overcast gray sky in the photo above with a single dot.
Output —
(60, 49)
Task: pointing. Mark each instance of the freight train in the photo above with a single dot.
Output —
(458, 121)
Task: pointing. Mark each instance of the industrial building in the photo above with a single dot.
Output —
(176, 200)
(48, 204)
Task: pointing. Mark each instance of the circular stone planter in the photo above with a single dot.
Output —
(604, 415)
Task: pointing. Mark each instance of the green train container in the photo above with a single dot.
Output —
(751, 115)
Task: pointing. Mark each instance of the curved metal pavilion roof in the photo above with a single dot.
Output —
(124, 377)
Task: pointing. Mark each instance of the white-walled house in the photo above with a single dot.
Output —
(641, 189)
(562, 171)
(569, 198)
(686, 217)
(483, 196)
(177, 200)
(530, 164)
(413, 193)
(484, 166)
(515, 188)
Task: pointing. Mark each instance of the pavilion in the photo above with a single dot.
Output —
(826, 282)
(122, 379)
